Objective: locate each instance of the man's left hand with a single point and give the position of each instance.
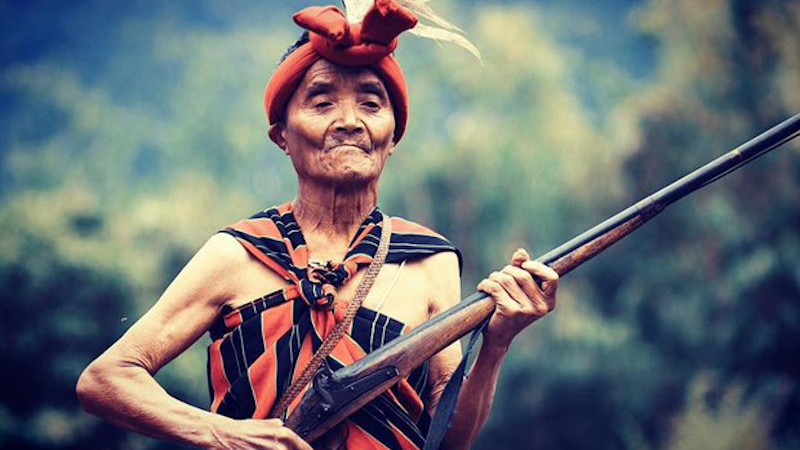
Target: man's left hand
(519, 300)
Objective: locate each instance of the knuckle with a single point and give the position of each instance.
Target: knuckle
(520, 275)
(525, 309)
(495, 275)
(283, 434)
(506, 280)
(488, 285)
(525, 277)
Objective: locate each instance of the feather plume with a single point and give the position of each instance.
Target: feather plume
(439, 29)
(355, 10)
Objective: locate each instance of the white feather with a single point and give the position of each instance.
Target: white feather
(439, 29)
(439, 34)
(355, 10)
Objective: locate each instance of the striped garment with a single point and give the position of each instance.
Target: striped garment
(258, 349)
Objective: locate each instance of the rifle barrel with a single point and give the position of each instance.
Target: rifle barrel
(714, 170)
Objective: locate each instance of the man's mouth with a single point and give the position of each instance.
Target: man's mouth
(355, 146)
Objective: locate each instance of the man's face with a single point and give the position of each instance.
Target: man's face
(339, 125)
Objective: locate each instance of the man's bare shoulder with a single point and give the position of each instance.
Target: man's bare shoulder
(440, 273)
(239, 275)
(210, 267)
(440, 263)
(224, 249)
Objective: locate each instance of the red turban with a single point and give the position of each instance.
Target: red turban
(369, 43)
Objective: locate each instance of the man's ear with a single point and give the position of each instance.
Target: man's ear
(277, 132)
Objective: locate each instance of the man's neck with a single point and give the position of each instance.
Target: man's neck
(332, 214)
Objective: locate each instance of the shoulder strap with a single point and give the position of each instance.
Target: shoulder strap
(340, 328)
(447, 402)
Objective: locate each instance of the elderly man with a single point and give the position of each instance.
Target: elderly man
(271, 289)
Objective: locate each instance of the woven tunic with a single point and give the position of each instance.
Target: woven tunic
(258, 349)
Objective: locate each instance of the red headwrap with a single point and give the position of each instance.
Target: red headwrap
(369, 43)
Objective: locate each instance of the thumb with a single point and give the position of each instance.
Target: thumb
(519, 257)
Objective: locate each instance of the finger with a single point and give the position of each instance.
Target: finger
(519, 257)
(500, 296)
(540, 270)
(491, 287)
(540, 302)
(274, 422)
(510, 285)
(548, 276)
(530, 301)
(290, 439)
(301, 444)
(549, 281)
(524, 280)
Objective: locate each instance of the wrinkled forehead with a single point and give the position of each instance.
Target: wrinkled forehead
(325, 74)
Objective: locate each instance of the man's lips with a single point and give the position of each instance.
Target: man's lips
(363, 148)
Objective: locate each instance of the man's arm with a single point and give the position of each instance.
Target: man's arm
(119, 385)
(519, 302)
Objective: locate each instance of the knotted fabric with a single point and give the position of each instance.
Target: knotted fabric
(369, 43)
(273, 236)
(259, 349)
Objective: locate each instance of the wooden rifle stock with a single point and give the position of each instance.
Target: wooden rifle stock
(336, 395)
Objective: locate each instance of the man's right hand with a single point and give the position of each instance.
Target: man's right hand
(254, 433)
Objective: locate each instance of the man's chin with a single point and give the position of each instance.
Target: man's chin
(352, 178)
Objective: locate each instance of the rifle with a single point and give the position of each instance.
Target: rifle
(336, 395)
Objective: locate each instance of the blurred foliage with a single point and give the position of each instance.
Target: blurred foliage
(130, 132)
(731, 423)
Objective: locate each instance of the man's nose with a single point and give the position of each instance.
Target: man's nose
(348, 121)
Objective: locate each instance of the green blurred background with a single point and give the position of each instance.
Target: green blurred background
(131, 131)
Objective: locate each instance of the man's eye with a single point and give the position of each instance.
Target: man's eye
(372, 105)
(322, 104)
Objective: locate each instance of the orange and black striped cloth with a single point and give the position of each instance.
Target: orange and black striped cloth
(260, 348)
